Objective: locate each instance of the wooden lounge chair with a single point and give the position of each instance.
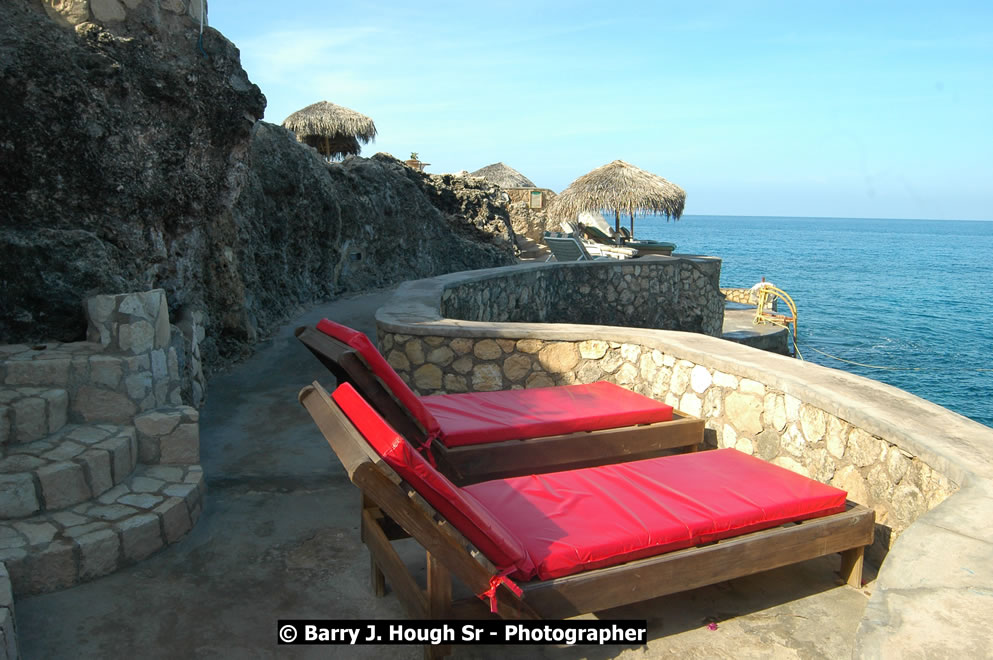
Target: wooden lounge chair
(598, 248)
(645, 246)
(510, 433)
(535, 547)
(568, 248)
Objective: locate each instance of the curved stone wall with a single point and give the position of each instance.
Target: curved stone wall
(926, 471)
(672, 293)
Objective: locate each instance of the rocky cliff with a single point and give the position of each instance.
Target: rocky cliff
(131, 157)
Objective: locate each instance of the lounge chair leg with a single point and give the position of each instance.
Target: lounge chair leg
(439, 601)
(378, 579)
(851, 566)
(376, 576)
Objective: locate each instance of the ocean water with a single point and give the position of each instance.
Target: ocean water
(903, 294)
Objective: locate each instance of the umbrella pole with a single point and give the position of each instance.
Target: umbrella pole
(617, 221)
(631, 211)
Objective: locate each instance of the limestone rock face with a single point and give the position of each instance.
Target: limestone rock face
(115, 162)
(130, 160)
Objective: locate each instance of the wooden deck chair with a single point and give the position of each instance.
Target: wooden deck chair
(502, 541)
(568, 248)
(506, 435)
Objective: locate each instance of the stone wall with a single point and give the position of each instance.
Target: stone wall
(743, 296)
(741, 412)
(667, 293)
(928, 472)
(518, 195)
(8, 628)
(747, 297)
(505, 338)
(129, 366)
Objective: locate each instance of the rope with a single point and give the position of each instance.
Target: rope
(873, 366)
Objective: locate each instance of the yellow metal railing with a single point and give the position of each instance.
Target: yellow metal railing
(767, 295)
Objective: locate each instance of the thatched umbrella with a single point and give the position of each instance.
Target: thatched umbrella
(331, 129)
(503, 176)
(617, 187)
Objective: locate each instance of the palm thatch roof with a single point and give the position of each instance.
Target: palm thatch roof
(333, 130)
(504, 176)
(619, 187)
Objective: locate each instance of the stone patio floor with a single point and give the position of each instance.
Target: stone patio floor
(279, 538)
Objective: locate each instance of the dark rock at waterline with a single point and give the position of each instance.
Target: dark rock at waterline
(130, 160)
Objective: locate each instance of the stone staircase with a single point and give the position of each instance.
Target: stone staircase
(99, 459)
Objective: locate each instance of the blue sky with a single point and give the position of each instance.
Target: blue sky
(852, 109)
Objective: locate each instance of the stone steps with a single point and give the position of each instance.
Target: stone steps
(73, 465)
(101, 385)
(152, 508)
(30, 413)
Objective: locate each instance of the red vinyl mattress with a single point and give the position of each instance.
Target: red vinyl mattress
(480, 417)
(590, 518)
(561, 523)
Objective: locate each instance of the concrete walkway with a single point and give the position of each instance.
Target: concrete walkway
(279, 538)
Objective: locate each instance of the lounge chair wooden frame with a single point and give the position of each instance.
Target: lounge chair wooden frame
(391, 510)
(481, 462)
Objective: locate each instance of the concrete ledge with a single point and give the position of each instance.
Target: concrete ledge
(933, 597)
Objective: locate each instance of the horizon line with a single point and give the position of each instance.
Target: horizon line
(827, 217)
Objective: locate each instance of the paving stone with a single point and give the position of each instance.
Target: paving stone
(140, 500)
(10, 537)
(30, 421)
(140, 536)
(137, 337)
(138, 385)
(145, 484)
(164, 472)
(157, 422)
(7, 631)
(120, 452)
(64, 451)
(20, 463)
(88, 434)
(46, 373)
(182, 446)
(50, 568)
(99, 552)
(98, 468)
(111, 512)
(36, 533)
(67, 519)
(111, 495)
(5, 425)
(17, 496)
(175, 518)
(58, 408)
(94, 404)
(160, 368)
(62, 485)
(105, 370)
(82, 530)
(180, 490)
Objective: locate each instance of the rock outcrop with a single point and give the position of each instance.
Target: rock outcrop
(132, 158)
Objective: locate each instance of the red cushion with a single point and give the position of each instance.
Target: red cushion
(459, 507)
(584, 519)
(382, 369)
(479, 417)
